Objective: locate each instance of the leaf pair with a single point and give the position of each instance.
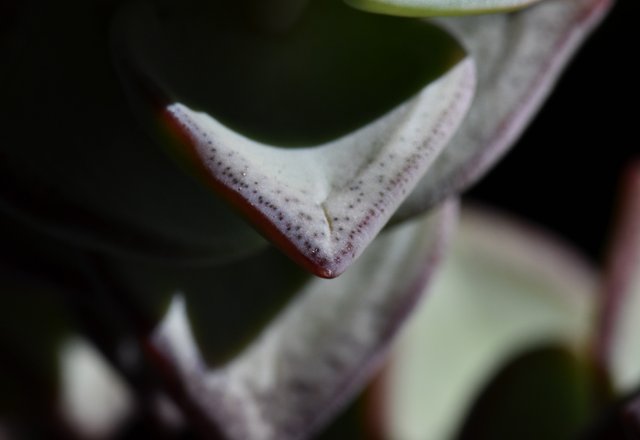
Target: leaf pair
(373, 101)
(516, 292)
(322, 204)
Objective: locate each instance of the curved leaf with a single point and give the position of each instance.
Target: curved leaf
(519, 58)
(504, 288)
(319, 351)
(435, 8)
(337, 74)
(619, 343)
(335, 71)
(73, 160)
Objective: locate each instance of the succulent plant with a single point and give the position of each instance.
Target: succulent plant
(216, 217)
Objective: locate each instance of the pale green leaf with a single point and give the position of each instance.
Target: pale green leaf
(370, 101)
(504, 288)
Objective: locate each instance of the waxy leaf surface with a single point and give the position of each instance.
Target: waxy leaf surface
(504, 288)
(519, 57)
(367, 121)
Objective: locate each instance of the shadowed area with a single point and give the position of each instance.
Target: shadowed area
(335, 70)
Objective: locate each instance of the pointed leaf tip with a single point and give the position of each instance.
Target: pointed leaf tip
(324, 220)
(321, 204)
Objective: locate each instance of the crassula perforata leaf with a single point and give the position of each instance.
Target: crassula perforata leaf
(318, 351)
(519, 58)
(504, 288)
(426, 8)
(369, 113)
(74, 161)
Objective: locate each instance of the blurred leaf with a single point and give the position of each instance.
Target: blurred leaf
(34, 320)
(227, 304)
(93, 397)
(619, 330)
(545, 393)
(32, 327)
(338, 72)
(54, 383)
(519, 57)
(427, 8)
(318, 352)
(505, 287)
(73, 160)
(39, 280)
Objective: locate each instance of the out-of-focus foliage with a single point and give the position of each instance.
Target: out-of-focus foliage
(174, 174)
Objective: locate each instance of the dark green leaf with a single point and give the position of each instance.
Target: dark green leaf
(545, 393)
(74, 162)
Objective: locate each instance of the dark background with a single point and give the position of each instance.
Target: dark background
(564, 172)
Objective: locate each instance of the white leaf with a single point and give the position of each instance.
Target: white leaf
(320, 350)
(324, 205)
(324, 201)
(519, 58)
(94, 398)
